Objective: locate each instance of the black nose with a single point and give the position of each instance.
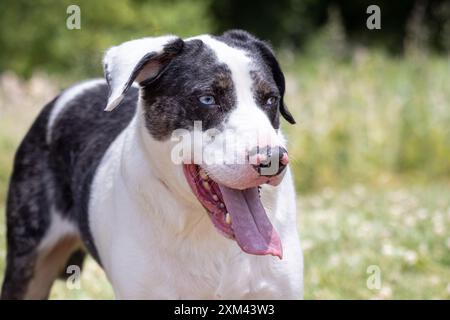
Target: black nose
(270, 161)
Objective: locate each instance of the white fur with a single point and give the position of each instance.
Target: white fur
(121, 60)
(156, 241)
(59, 228)
(238, 63)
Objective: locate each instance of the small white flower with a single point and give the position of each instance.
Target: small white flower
(439, 229)
(422, 214)
(435, 280)
(334, 260)
(410, 257)
(388, 250)
(410, 221)
(385, 292)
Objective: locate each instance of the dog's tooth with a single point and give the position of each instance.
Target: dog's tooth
(206, 185)
(203, 175)
(215, 197)
(221, 205)
(227, 218)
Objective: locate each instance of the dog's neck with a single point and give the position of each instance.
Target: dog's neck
(149, 174)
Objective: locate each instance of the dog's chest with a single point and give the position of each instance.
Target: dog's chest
(191, 267)
(209, 274)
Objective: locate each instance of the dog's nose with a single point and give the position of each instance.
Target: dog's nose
(269, 161)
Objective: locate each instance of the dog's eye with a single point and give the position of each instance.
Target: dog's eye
(207, 100)
(271, 101)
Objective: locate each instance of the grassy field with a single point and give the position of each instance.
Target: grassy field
(402, 231)
(371, 159)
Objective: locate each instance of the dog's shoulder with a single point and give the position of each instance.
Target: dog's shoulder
(79, 131)
(80, 108)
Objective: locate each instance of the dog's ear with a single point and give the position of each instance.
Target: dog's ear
(140, 60)
(278, 76)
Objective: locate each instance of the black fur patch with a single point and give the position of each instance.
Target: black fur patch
(80, 138)
(172, 101)
(28, 207)
(267, 63)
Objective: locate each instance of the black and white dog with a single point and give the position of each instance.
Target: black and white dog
(107, 183)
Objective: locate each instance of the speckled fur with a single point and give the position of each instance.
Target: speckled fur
(55, 177)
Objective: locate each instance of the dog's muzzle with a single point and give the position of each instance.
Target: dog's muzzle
(269, 161)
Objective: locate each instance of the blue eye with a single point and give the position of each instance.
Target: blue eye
(207, 100)
(271, 101)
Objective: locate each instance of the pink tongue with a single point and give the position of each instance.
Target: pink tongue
(252, 229)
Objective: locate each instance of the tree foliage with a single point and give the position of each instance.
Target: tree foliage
(34, 35)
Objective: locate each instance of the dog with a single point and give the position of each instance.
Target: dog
(106, 183)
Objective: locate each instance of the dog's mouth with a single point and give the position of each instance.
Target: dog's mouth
(237, 214)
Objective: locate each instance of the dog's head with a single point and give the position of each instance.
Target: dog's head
(228, 92)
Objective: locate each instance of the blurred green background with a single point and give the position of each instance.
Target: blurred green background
(371, 148)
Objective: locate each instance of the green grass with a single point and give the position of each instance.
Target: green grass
(370, 119)
(403, 231)
(371, 158)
